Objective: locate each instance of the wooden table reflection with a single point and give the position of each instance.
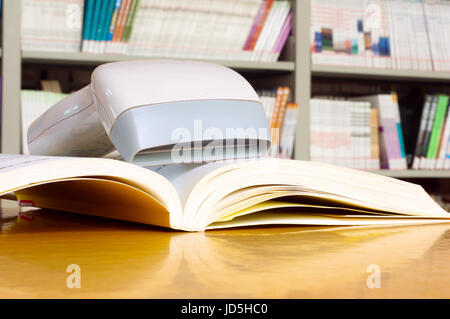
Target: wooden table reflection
(124, 260)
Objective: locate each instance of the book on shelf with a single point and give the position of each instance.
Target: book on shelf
(51, 25)
(342, 133)
(433, 137)
(252, 30)
(282, 120)
(196, 197)
(390, 34)
(363, 132)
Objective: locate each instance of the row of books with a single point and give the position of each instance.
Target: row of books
(363, 132)
(433, 141)
(392, 34)
(282, 120)
(216, 29)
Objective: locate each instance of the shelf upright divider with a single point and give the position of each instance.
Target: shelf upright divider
(302, 77)
(11, 78)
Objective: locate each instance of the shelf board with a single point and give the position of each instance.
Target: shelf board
(414, 173)
(380, 74)
(78, 58)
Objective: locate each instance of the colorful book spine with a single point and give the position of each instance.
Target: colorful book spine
(106, 26)
(113, 20)
(257, 20)
(437, 128)
(374, 140)
(443, 142)
(87, 21)
(424, 162)
(289, 131)
(281, 41)
(100, 26)
(398, 126)
(94, 25)
(260, 25)
(418, 153)
(123, 15)
(274, 132)
(129, 24)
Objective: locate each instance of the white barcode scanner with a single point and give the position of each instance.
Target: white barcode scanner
(156, 112)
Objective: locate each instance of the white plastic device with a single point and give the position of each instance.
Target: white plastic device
(146, 109)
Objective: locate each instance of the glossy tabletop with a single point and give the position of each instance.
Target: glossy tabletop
(124, 260)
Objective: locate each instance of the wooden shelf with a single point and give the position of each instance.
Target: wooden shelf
(79, 58)
(414, 173)
(380, 74)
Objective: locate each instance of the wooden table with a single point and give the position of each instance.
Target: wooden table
(118, 259)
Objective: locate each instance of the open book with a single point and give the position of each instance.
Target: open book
(196, 197)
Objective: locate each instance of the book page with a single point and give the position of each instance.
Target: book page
(204, 190)
(12, 162)
(19, 172)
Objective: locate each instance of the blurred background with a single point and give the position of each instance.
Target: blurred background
(359, 84)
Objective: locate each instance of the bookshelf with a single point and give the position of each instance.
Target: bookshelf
(378, 74)
(294, 70)
(96, 59)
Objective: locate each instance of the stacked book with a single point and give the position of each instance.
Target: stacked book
(51, 25)
(252, 30)
(433, 141)
(392, 34)
(282, 120)
(363, 132)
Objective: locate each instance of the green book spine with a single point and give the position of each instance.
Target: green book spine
(437, 126)
(130, 20)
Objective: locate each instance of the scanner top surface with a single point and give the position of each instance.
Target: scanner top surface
(124, 85)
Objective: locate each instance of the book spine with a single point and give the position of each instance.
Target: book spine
(398, 125)
(281, 115)
(114, 19)
(106, 26)
(259, 16)
(443, 142)
(101, 25)
(94, 25)
(260, 25)
(437, 128)
(122, 24)
(421, 134)
(129, 23)
(119, 23)
(427, 135)
(288, 131)
(87, 21)
(374, 140)
(274, 120)
(281, 41)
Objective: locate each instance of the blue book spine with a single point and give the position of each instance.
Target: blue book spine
(102, 18)
(87, 18)
(113, 20)
(318, 42)
(95, 19)
(109, 13)
(400, 140)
